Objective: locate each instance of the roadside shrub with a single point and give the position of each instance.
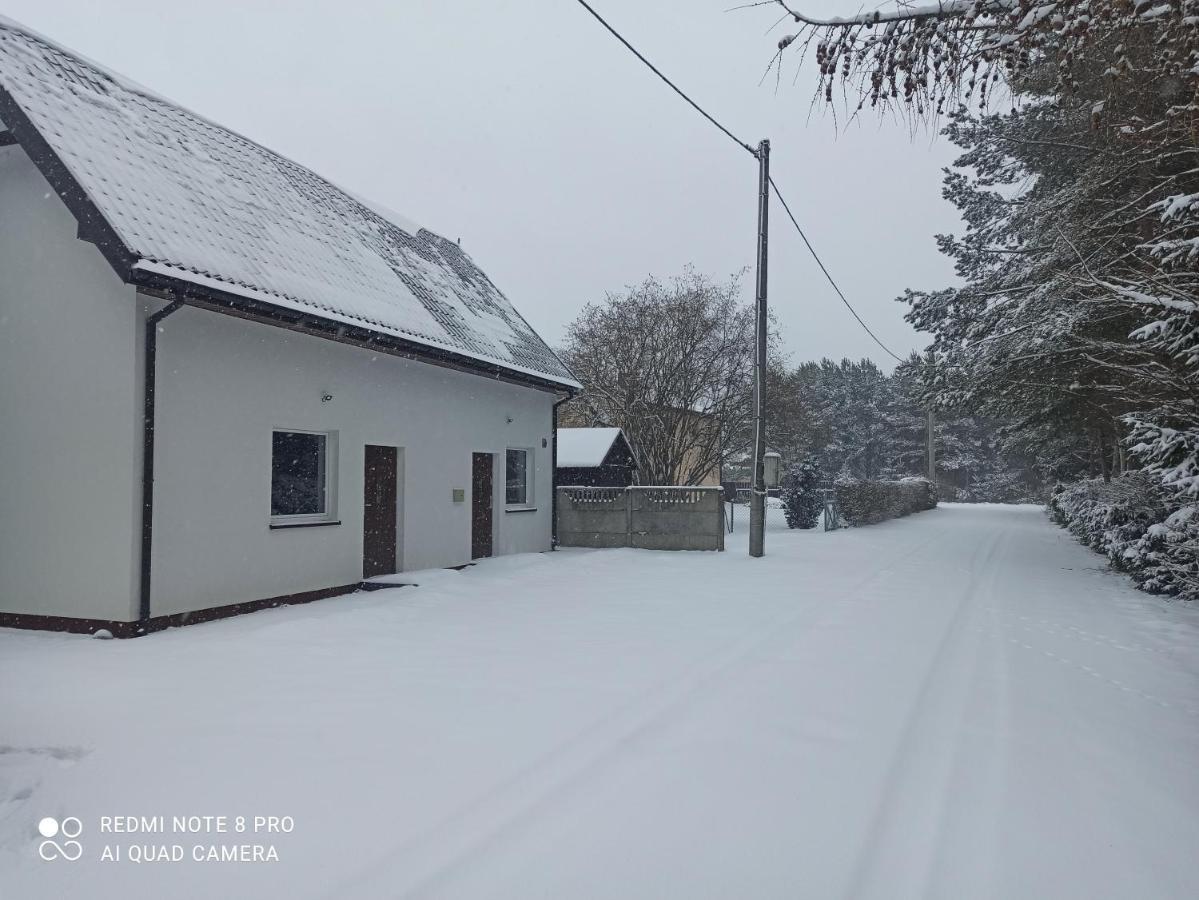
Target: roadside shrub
(867, 502)
(1139, 526)
(802, 502)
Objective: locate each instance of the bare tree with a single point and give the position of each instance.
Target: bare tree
(670, 364)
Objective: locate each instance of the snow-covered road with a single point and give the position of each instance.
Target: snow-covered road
(963, 703)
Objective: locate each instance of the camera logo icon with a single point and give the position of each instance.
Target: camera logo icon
(68, 829)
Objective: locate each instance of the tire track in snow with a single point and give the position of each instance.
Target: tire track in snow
(519, 800)
(981, 780)
(901, 852)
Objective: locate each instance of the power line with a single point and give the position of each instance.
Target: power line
(820, 263)
(616, 34)
(740, 143)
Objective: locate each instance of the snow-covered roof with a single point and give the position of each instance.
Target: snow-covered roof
(196, 202)
(580, 448)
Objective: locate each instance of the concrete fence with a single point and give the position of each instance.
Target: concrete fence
(650, 518)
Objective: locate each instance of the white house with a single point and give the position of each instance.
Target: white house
(226, 383)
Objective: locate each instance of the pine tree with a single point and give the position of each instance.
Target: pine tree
(1078, 318)
(862, 424)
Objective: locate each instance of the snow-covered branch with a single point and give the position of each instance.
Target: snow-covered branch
(904, 13)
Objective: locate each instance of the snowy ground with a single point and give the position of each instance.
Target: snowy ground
(959, 704)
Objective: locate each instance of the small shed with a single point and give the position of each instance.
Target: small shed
(594, 457)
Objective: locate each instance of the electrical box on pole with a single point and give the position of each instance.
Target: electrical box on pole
(757, 497)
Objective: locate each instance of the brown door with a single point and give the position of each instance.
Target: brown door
(379, 512)
(480, 505)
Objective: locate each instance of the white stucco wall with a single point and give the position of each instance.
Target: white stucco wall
(225, 383)
(71, 347)
(70, 414)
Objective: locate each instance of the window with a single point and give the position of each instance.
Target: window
(516, 481)
(300, 462)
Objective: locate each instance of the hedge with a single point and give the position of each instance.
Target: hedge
(1139, 526)
(867, 502)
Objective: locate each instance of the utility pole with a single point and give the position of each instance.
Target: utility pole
(932, 448)
(932, 430)
(757, 497)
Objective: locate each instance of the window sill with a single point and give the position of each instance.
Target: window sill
(520, 509)
(276, 526)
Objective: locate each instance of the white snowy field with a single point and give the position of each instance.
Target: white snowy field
(959, 704)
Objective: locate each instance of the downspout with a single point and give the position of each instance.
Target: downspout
(151, 352)
(554, 476)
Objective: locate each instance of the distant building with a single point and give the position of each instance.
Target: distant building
(581, 413)
(708, 426)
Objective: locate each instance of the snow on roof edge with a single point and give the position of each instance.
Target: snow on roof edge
(383, 212)
(207, 281)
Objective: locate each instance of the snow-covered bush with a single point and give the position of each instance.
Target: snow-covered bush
(802, 501)
(867, 502)
(1170, 453)
(1139, 526)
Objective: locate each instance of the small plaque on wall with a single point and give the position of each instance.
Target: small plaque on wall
(459, 495)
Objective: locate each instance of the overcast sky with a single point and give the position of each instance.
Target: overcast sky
(565, 167)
